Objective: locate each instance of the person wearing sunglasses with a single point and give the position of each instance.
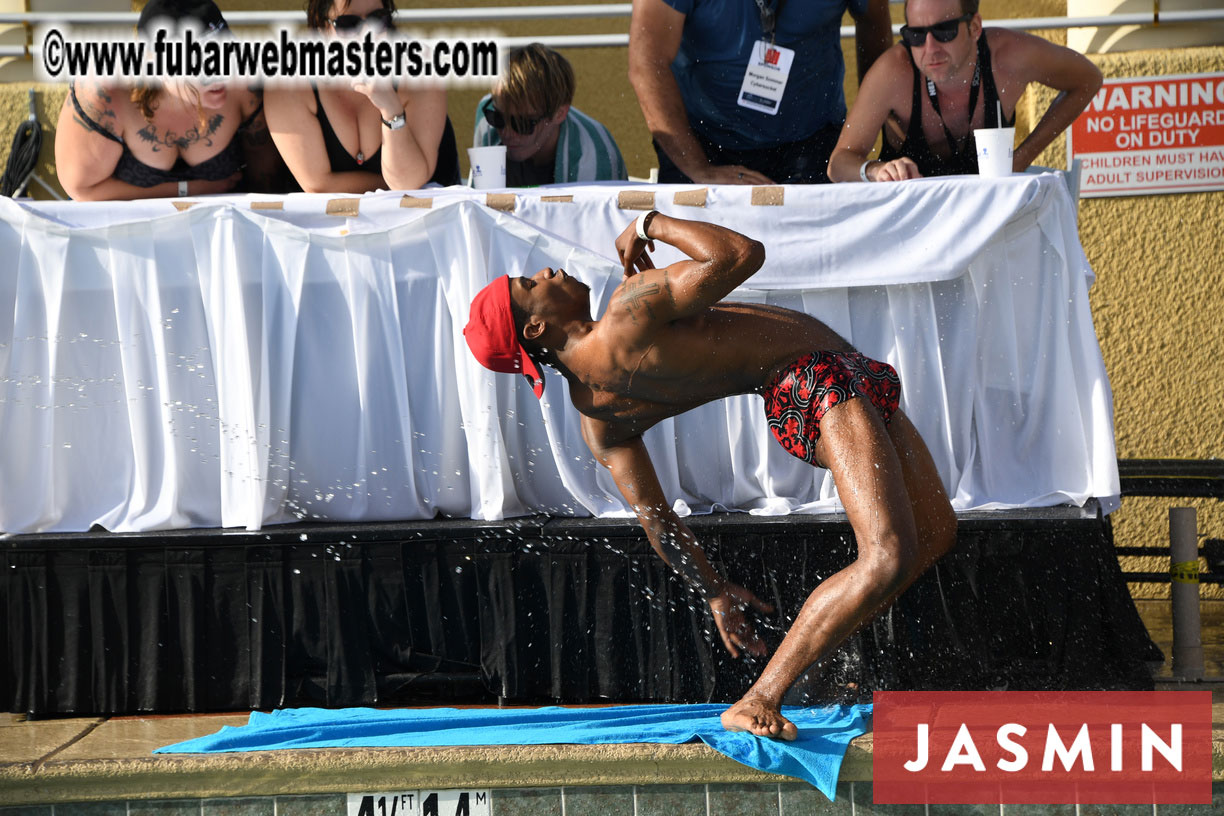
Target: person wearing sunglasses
(747, 91)
(947, 77)
(153, 139)
(365, 136)
(547, 139)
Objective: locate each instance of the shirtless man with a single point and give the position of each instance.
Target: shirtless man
(667, 343)
(946, 77)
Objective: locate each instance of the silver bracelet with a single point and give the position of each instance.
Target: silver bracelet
(642, 223)
(183, 189)
(863, 170)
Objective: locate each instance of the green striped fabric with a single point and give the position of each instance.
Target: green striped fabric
(586, 150)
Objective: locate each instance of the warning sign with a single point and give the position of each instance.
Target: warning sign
(1152, 135)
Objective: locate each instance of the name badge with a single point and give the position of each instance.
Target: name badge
(765, 79)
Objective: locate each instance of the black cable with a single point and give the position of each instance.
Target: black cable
(23, 155)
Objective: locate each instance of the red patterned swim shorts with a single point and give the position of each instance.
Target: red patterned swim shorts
(801, 393)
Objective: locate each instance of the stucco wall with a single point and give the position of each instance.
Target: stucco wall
(1158, 305)
(1159, 298)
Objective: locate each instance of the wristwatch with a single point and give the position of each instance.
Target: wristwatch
(396, 122)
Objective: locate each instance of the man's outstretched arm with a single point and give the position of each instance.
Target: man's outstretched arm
(719, 259)
(634, 474)
(1032, 59)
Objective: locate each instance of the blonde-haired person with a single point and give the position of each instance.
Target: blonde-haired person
(547, 139)
(159, 140)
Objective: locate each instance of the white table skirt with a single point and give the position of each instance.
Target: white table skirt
(235, 365)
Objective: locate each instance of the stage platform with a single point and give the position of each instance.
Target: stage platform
(534, 610)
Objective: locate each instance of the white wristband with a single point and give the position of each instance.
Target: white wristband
(863, 170)
(641, 223)
(183, 188)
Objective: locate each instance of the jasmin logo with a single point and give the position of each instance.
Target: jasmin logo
(1042, 747)
(964, 751)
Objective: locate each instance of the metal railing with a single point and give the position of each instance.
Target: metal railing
(486, 16)
(1174, 478)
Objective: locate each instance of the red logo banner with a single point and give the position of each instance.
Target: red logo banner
(1020, 747)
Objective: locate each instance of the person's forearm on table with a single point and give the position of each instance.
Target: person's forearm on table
(845, 163)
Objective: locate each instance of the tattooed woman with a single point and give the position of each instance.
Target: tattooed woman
(160, 140)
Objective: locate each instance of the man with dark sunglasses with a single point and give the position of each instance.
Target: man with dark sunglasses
(379, 19)
(947, 77)
(547, 139)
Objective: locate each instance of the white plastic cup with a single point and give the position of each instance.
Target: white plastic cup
(488, 166)
(994, 151)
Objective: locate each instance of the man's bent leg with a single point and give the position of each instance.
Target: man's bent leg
(874, 484)
(933, 514)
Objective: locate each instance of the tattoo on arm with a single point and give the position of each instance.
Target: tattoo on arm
(633, 294)
(100, 111)
(636, 293)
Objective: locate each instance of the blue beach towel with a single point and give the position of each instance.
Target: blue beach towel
(815, 756)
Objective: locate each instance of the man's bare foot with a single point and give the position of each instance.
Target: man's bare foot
(754, 715)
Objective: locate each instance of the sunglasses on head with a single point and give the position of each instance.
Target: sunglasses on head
(381, 18)
(522, 125)
(944, 32)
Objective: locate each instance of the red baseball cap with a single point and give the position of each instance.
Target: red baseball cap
(491, 335)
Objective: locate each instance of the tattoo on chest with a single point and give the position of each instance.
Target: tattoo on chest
(171, 139)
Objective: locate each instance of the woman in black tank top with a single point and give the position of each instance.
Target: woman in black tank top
(358, 138)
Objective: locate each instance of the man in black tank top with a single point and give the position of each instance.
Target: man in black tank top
(947, 77)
